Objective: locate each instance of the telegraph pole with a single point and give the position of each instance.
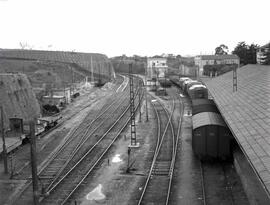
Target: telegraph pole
(34, 162)
(4, 141)
(235, 79)
(140, 95)
(145, 85)
(92, 71)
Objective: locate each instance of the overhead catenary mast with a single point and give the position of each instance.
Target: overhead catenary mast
(92, 71)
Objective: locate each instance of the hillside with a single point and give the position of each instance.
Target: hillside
(69, 66)
(17, 98)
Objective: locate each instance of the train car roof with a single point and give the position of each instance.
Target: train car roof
(207, 118)
(196, 102)
(197, 86)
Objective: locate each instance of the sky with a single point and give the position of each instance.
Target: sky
(141, 27)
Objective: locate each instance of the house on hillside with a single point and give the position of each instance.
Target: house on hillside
(58, 97)
(261, 53)
(203, 60)
(156, 67)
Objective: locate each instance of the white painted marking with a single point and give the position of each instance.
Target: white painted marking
(96, 194)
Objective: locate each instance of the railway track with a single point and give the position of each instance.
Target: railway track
(79, 135)
(178, 142)
(23, 166)
(72, 180)
(216, 187)
(157, 186)
(76, 147)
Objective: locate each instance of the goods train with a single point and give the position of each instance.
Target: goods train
(211, 138)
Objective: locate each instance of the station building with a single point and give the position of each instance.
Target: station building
(203, 60)
(156, 67)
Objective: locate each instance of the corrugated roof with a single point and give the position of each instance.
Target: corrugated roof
(207, 118)
(247, 113)
(218, 57)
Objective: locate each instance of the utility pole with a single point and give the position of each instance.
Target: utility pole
(140, 95)
(34, 162)
(72, 79)
(128, 168)
(235, 79)
(4, 141)
(145, 86)
(92, 71)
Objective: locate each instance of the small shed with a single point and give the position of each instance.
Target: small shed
(16, 124)
(211, 137)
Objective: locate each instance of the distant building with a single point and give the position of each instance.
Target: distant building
(203, 60)
(261, 53)
(156, 67)
(187, 70)
(57, 97)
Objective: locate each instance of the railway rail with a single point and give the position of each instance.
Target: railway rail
(23, 166)
(163, 161)
(177, 141)
(216, 187)
(79, 132)
(76, 175)
(56, 170)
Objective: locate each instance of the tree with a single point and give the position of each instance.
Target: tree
(246, 53)
(251, 54)
(266, 58)
(241, 51)
(221, 50)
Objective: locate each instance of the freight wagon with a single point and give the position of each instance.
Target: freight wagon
(211, 138)
(197, 91)
(203, 105)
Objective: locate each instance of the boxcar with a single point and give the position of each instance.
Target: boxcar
(211, 137)
(198, 91)
(186, 83)
(203, 105)
(183, 82)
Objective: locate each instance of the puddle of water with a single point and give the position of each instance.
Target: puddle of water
(96, 194)
(116, 159)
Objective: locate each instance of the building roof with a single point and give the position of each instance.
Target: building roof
(157, 58)
(247, 113)
(207, 118)
(218, 57)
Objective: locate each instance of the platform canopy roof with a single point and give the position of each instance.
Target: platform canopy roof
(247, 113)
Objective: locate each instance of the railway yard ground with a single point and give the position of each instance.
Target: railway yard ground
(193, 182)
